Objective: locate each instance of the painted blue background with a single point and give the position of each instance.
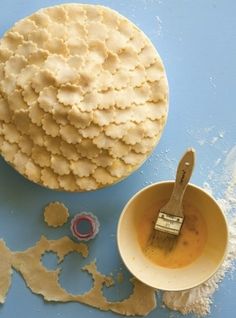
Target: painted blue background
(197, 42)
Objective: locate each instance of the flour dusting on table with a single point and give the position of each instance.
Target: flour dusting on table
(199, 299)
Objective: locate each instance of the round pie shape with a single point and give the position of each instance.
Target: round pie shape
(83, 97)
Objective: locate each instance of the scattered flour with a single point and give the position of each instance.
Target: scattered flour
(207, 187)
(207, 136)
(212, 81)
(199, 299)
(159, 26)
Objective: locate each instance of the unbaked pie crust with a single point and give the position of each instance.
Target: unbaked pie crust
(83, 97)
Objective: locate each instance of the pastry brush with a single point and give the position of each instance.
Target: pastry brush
(170, 217)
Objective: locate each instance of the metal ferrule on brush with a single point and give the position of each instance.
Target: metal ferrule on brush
(169, 223)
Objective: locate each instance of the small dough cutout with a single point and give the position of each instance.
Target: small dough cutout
(83, 167)
(103, 160)
(56, 214)
(5, 113)
(90, 132)
(102, 176)
(68, 182)
(15, 64)
(16, 101)
(29, 95)
(146, 145)
(70, 95)
(41, 156)
(9, 150)
(20, 161)
(40, 19)
(39, 37)
(50, 126)
(88, 149)
(49, 178)
(5, 54)
(24, 27)
(70, 134)
(8, 84)
(60, 113)
(68, 151)
(11, 133)
(37, 135)
(78, 118)
(38, 58)
(22, 121)
(36, 114)
(118, 169)
(33, 170)
(57, 28)
(11, 40)
(25, 77)
(53, 145)
(43, 79)
(60, 165)
(119, 149)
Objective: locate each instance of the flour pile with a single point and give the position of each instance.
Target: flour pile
(199, 299)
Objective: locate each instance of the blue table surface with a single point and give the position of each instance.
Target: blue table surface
(197, 42)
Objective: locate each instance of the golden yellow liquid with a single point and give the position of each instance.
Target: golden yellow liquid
(190, 242)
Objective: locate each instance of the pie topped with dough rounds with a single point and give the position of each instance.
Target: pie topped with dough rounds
(83, 97)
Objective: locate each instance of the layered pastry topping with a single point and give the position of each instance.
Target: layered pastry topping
(83, 97)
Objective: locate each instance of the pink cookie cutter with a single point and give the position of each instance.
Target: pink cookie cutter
(92, 225)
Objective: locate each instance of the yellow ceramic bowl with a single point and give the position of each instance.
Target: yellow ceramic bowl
(166, 278)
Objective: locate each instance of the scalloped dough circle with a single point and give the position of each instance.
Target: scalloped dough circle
(83, 97)
(56, 214)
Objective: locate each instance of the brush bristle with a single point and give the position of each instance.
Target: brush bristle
(163, 240)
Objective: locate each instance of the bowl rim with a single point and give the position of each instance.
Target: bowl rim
(198, 188)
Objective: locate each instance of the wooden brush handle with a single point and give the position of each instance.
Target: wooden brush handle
(183, 175)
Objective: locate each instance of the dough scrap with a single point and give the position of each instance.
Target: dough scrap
(56, 214)
(5, 270)
(46, 283)
(79, 81)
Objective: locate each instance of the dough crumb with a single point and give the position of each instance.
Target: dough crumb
(120, 278)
